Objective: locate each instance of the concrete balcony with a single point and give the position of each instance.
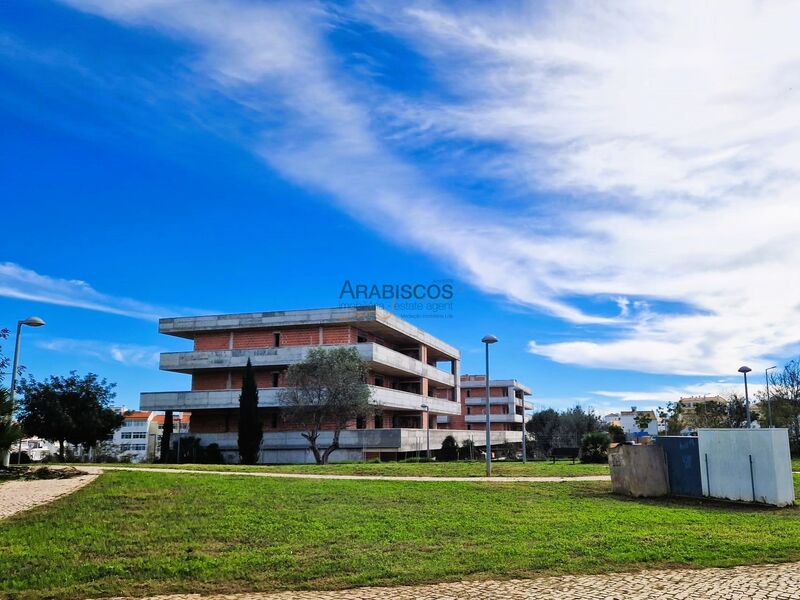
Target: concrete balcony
(268, 398)
(510, 418)
(380, 358)
(481, 401)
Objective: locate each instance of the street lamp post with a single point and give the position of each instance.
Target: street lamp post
(524, 450)
(769, 400)
(30, 322)
(744, 371)
(488, 339)
(427, 409)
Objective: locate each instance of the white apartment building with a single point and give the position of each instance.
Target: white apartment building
(136, 440)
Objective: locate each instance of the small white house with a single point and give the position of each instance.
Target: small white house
(629, 425)
(37, 449)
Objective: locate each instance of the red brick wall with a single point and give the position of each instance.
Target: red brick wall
(494, 392)
(210, 380)
(338, 334)
(211, 341)
(263, 378)
(293, 336)
(214, 421)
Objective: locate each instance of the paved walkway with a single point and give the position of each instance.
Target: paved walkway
(354, 477)
(16, 496)
(737, 583)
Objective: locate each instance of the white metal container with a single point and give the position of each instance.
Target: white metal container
(751, 465)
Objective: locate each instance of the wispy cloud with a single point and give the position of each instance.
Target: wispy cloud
(125, 354)
(658, 144)
(25, 284)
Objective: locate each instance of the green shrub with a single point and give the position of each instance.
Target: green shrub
(213, 455)
(468, 451)
(449, 449)
(617, 434)
(594, 447)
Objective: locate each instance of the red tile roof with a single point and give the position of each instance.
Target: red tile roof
(138, 414)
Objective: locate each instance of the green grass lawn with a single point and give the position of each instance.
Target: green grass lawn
(137, 533)
(796, 465)
(398, 469)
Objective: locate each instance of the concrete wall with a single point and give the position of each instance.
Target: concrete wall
(638, 471)
(753, 465)
(291, 447)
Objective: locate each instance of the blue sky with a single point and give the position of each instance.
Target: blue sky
(612, 191)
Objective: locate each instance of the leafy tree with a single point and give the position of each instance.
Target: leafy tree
(467, 450)
(616, 433)
(784, 388)
(642, 420)
(708, 414)
(574, 423)
(69, 409)
(543, 427)
(594, 447)
(737, 412)
(250, 430)
(449, 449)
(10, 432)
(328, 389)
(166, 435)
(672, 416)
(551, 429)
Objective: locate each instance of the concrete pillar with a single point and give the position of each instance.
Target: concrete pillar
(423, 386)
(455, 367)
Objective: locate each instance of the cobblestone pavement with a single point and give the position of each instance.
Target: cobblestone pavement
(364, 477)
(763, 581)
(16, 496)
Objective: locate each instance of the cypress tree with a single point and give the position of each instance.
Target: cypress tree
(250, 432)
(166, 436)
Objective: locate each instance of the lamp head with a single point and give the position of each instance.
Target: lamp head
(33, 322)
(744, 369)
(489, 339)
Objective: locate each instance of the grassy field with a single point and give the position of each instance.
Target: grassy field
(136, 533)
(796, 465)
(397, 469)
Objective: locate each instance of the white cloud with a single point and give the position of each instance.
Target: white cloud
(126, 354)
(24, 284)
(665, 136)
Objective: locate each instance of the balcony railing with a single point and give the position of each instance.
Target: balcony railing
(269, 397)
(509, 418)
(375, 354)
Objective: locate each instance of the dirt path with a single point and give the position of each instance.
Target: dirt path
(16, 496)
(358, 477)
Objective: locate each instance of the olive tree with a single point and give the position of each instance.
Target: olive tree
(326, 390)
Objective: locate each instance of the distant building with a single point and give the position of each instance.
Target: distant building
(690, 403)
(507, 405)
(612, 419)
(139, 437)
(135, 440)
(629, 425)
(36, 448)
